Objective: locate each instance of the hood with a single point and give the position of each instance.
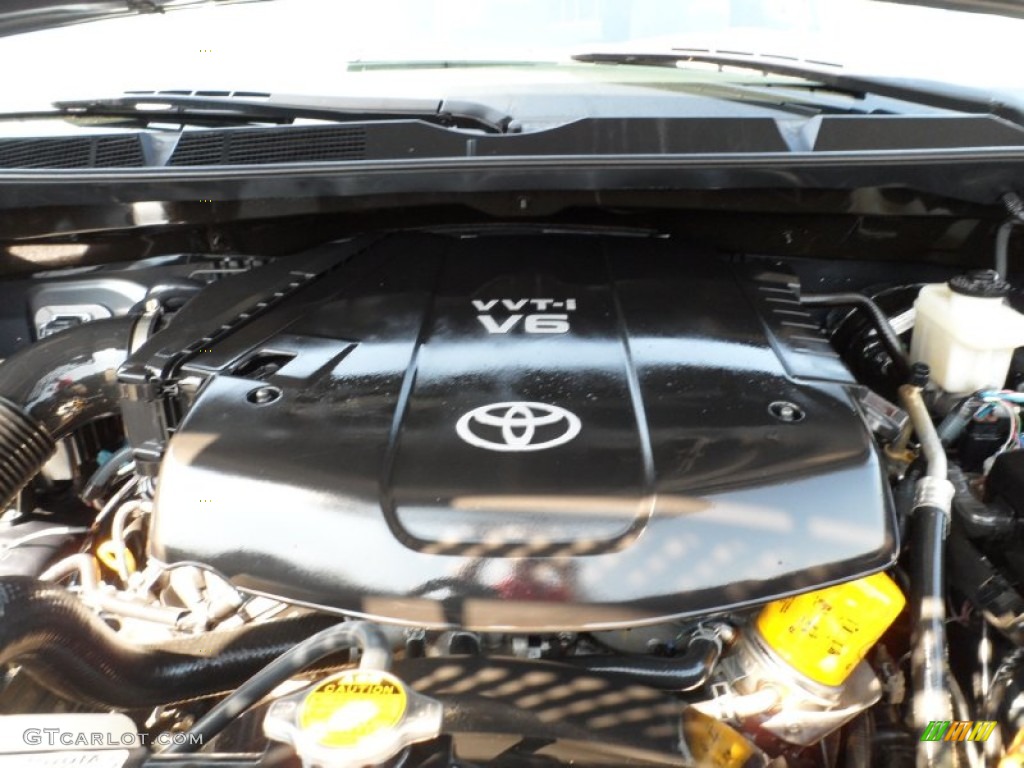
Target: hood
(18, 16)
(1013, 8)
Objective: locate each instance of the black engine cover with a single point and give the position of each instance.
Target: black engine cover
(524, 432)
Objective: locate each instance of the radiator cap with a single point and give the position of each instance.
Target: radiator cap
(356, 717)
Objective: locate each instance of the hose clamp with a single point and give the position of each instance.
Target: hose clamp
(934, 492)
(720, 633)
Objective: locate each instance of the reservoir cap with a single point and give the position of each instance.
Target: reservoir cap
(980, 284)
(355, 717)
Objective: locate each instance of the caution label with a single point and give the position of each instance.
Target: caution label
(713, 744)
(350, 706)
(826, 633)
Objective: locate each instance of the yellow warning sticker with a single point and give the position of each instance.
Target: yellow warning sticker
(347, 707)
(713, 744)
(826, 633)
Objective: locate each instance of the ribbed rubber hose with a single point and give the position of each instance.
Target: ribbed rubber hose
(67, 649)
(25, 446)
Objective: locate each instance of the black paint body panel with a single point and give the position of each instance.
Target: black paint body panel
(681, 494)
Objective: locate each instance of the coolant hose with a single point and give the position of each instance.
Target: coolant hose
(669, 673)
(980, 520)
(376, 655)
(1002, 264)
(53, 387)
(890, 340)
(61, 644)
(929, 523)
(1015, 207)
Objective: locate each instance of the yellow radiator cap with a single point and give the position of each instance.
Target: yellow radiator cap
(345, 709)
(355, 717)
(826, 633)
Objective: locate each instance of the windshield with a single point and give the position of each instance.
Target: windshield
(309, 46)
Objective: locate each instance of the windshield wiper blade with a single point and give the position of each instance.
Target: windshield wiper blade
(192, 109)
(786, 66)
(925, 92)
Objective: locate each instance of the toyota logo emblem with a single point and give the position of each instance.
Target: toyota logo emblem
(517, 426)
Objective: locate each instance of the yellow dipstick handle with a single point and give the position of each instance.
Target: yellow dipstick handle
(108, 553)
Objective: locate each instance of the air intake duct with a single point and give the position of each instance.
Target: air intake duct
(52, 388)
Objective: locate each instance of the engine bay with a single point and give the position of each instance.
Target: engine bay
(509, 496)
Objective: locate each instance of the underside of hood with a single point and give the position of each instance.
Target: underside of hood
(1013, 8)
(18, 16)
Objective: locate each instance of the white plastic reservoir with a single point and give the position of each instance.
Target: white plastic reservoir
(966, 332)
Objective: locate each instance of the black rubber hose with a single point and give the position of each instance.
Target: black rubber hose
(980, 520)
(890, 340)
(904, 495)
(927, 578)
(376, 655)
(927, 548)
(992, 593)
(25, 446)
(67, 649)
(70, 378)
(672, 673)
(1002, 264)
(928, 551)
(53, 387)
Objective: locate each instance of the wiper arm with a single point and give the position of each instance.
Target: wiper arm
(925, 92)
(775, 65)
(187, 108)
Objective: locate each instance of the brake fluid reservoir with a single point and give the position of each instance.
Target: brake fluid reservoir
(965, 331)
(826, 633)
